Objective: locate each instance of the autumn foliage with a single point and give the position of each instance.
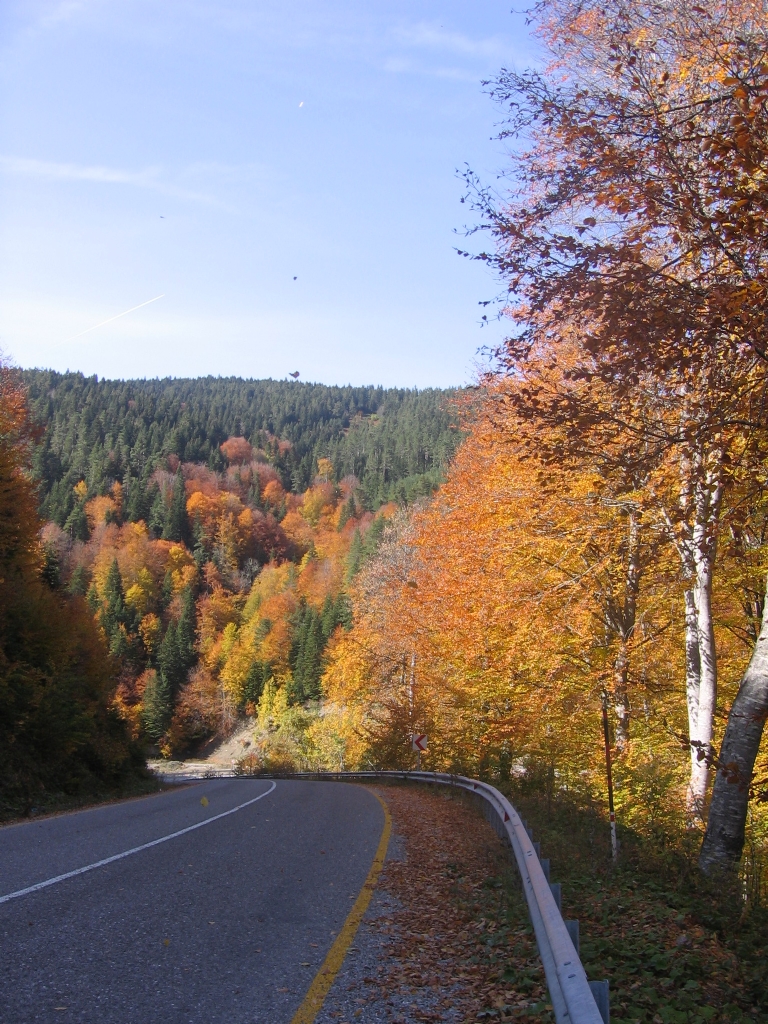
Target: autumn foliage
(600, 538)
(58, 730)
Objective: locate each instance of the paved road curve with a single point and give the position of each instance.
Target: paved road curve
(225, 923)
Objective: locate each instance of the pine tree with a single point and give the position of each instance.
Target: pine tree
(114, 611)
(355, 556)
(51, 570)
(158, 515)
(306, 655)
(170, 660)
(373, 538)
(78, 581)
(166, 595)
(185, 631)
(177, 526)
(77, 523)
(157, 706)
(348, 511)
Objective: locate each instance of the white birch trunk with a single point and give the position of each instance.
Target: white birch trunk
(692, 686)
(702, 494)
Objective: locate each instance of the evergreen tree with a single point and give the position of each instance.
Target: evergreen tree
(170, 661)
(114, 610)
(355, 556)
(177, 526)
(51, 570)
(373, 538)
(166, 595)
(185, 630)
(77, 523)
(139, 498)
(396, 441)
(118, 643)
(257, 676)
(157, 706)
(348, 511)
(306, 655)
(78, 581)
(158, 515)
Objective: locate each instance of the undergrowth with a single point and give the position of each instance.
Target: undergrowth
(676, 947)
(22, 807)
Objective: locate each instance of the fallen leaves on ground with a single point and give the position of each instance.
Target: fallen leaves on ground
(461, 931)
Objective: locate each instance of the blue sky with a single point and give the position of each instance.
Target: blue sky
(212, 152)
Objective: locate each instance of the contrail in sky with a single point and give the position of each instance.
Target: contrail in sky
(127, 311)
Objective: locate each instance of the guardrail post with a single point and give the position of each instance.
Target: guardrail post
(537, 848)
(545, 866)
(557, 892)
(573, 931)
(600, 990)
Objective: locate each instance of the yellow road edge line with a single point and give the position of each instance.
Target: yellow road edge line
(325, 977)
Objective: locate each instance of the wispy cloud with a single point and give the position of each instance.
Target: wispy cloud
(406, 66)
(148, 178)
(64, 10)
(424, 36)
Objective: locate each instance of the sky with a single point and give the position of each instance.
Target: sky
(282, 172)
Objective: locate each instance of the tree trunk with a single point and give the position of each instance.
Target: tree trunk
(724, 838)
(701, 736)
(621, 619)
(692, 688)
(698, 551)
(620, 698)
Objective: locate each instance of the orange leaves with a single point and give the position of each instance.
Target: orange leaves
(506, 600)
(237, 450)
(273, 493)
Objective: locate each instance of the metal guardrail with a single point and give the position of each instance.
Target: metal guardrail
(575, 1000)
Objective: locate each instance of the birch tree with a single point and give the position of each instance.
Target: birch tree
(635, 221)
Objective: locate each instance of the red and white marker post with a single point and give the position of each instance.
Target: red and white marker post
(419, 744)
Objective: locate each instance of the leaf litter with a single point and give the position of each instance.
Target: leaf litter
(447, 937)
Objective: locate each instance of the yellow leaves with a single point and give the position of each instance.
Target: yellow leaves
(149, 631)
(324, 469)
(237, 655)
(81, 490)
(273, 703)
(215, 611)
(140, 595)
(182, 567)
(204, 801)
(317, 499)
(685, 67)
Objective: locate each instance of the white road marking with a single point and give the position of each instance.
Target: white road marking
(129, 853)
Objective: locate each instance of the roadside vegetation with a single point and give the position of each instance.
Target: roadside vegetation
(61, 736)
(676, 947)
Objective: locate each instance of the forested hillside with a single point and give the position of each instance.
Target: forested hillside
(59, 730)
(395, 441)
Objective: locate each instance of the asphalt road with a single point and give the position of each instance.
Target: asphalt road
(226, 923)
